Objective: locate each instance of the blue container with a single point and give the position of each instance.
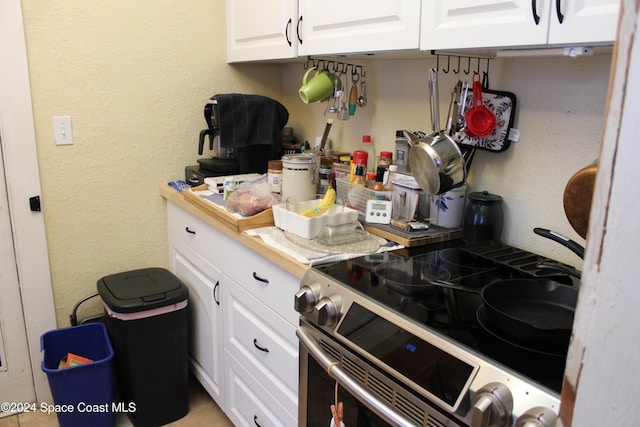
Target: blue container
(86, 391)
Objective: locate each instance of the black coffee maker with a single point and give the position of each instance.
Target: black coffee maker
(224, 163)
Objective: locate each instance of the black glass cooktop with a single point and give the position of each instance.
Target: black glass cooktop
(439, 287)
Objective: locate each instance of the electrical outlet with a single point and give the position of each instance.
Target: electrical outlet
(62, 130)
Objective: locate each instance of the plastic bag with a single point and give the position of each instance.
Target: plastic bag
(252, 197)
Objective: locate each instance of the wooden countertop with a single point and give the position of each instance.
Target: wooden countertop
(254, 243)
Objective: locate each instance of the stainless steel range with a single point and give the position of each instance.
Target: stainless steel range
(405, 336)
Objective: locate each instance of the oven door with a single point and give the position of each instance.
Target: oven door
(366, 392)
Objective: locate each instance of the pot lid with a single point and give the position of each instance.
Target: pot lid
(485, 197)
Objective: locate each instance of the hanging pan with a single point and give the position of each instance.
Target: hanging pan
(577, 198)
(436, 161)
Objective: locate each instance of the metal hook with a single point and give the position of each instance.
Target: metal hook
(468, 65)
(458, 70)
(448, 65)
(478, 67)
(488, 59)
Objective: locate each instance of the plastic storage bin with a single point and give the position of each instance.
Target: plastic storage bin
(84, 391)
(147, 325)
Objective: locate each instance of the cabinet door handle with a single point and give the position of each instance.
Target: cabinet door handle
(255, 421)
(559, 11)
(286, 31)
(188, 230)
(298, 29)
(534, 9)
(260, 279)
(215, 288)
(259, 347)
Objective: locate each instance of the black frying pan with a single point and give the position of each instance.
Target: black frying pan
(535, 311)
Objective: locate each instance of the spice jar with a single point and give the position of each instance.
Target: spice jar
(274, 175)
(386, 158)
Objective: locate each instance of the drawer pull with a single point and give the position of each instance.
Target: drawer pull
(255, 421)
(259, 347)
(188, 230)
(260, 279)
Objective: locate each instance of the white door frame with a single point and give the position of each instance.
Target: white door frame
(20, 161)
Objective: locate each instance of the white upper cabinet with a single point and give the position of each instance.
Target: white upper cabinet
(459, 24)
(356, 26)
(261, 29)
(584, 21)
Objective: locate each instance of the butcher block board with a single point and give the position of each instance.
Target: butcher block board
(415, 238)
(236, 222)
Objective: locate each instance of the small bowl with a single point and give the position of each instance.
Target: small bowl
(303, 203)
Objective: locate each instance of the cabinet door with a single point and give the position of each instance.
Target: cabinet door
(455, 24)
(261, 29)
(205, 317)
(584, 21)
(337, 26)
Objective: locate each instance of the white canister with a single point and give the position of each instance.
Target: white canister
(299, 174)
(447, 209)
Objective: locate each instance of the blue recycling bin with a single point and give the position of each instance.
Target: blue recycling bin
(82, 394)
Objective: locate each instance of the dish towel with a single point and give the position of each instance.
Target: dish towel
(250, 120)
(275, 237)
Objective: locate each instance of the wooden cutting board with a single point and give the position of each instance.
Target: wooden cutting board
(414, 238)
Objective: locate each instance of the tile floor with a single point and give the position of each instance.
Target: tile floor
(203, 411)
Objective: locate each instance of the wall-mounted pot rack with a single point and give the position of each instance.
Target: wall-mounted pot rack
(460, 67)
(337, 67)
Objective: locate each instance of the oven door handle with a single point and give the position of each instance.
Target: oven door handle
(356, 389)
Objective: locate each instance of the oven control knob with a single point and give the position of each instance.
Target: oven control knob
(492, 407)
(327, 311)
(537, 417)
(306, 298)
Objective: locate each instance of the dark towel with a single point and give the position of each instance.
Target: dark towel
(250, 120)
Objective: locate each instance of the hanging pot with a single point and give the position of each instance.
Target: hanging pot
(436, 161)
(577, 198)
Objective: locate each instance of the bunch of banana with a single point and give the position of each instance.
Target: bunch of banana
(327, 201)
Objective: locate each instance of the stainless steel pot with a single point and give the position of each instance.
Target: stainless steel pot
(436, 161)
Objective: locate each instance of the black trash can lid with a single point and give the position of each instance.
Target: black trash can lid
(141, 290)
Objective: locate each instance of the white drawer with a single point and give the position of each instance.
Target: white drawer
(199, 236)
(263, 342)
(248, 403)
(268, 282)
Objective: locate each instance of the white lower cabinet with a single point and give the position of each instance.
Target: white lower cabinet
(243, 346)
(261, 361)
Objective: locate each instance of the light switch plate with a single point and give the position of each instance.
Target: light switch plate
(62, 130)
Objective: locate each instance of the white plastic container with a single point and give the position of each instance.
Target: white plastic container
(310, 227)
(409, 201)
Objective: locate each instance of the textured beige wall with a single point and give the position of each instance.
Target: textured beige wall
(134, 77)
